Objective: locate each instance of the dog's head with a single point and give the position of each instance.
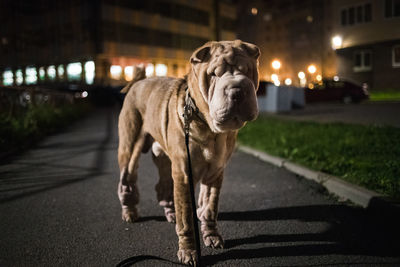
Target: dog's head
(227, 76)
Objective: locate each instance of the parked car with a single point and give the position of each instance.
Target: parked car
(336, 90)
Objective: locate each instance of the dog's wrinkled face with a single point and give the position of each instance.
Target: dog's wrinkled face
(227, 74)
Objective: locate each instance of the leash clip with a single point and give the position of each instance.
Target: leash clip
(187, 112)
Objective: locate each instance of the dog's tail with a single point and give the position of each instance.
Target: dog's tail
(139, 73)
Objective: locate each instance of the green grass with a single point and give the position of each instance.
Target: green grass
(368, 156)
(28, 126)
(384, 95)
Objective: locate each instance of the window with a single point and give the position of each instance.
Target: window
(89, 72)
(42, 74)
(8, 77)
(396, 56)
(51, 72)
(74, 71)
(356, 14)
(60, 70)
(351, 15)
(116, 72)
(128, 72)
(392, 8)
(19, 77)
(161, 70)
(149, 70)
(30, 75)
(362, 61)
(359, 14)
(343, 17)
(367, 13)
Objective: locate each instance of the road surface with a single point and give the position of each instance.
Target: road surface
(366, 113)
(59, 207)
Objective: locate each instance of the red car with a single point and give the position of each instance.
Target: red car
(332, 90)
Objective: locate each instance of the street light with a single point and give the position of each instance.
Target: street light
(312, 69)
(275, 79)
(288, 81)
(302, 78)
(276, 64)
(337, 42)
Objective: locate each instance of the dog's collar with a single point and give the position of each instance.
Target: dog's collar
(190, 109)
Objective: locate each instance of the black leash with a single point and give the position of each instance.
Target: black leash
(188, 112)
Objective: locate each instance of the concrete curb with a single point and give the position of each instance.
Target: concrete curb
(333, 184)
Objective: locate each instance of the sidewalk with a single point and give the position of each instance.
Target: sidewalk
(363, 197)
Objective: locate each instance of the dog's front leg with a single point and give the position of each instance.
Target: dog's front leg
(184, 221)
(208, 212)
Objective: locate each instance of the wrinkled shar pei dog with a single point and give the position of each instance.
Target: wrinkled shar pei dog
(221, 87)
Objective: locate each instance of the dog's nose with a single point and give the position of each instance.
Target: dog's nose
(236, 94)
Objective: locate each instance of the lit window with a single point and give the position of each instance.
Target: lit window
(8, 77)
(116, 72)
(42, 74)
(128, 71)
(362, 61)
(149, 70)
(161, 70)
(74, 71)
(51, 73)
(396, 56)
(60, 70)
(19, 77)
(30, 75)
(89, 72)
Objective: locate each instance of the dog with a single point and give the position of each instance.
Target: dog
(221, 87)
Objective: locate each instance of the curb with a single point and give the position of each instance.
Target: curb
(356, 194)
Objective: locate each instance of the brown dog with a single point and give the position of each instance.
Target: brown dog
(222, 86)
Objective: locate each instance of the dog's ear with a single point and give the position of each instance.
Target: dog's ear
(251, 49)
(201, 54)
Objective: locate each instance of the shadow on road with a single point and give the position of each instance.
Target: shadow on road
(352, 232)
(48, 168)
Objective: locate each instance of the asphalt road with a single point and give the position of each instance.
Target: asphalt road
(59, 207)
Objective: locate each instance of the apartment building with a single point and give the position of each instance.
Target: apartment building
(99, 42)
(368, 41)
(294, 36)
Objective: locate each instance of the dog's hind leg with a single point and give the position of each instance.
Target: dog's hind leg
(165, 186)
(131, 141)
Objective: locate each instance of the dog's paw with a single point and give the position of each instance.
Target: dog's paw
(188, 256)
(214, 241)
(171, 218)
(130, 215)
